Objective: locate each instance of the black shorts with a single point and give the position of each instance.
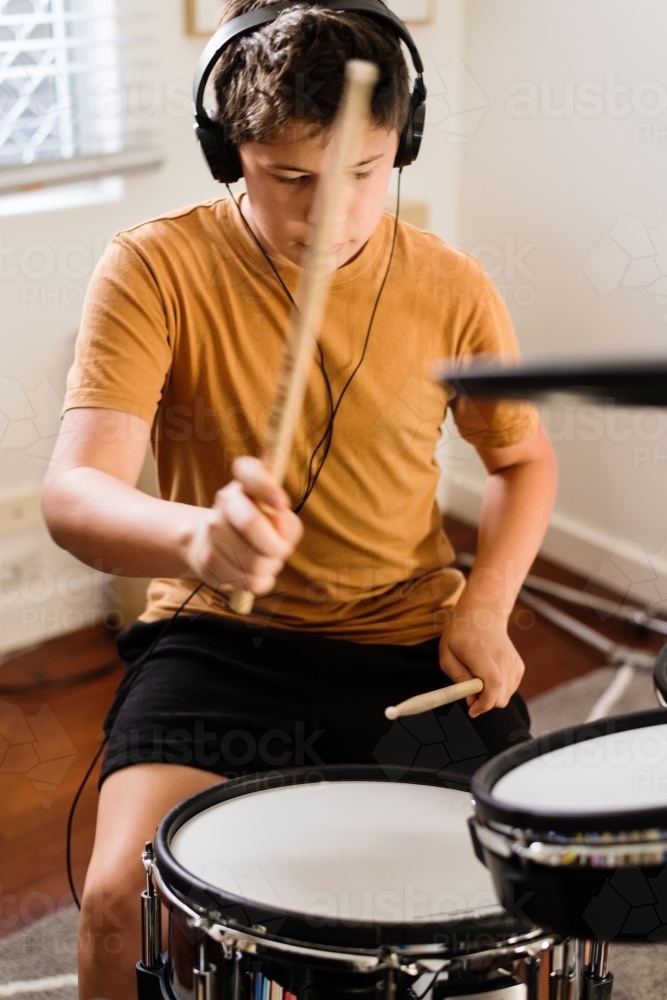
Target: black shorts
(226, 698)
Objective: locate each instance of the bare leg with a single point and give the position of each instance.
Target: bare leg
(132, 803)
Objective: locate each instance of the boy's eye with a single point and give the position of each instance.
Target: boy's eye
(292, 180)
(362, 177)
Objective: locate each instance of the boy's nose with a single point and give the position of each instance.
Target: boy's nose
(341, 215)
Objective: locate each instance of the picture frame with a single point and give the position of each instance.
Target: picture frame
(200, 15)
(414, 12)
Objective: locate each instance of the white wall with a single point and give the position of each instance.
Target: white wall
(563, 194)
(38, 328)
(436, 176)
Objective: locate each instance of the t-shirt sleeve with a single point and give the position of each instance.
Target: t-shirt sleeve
(489, 332)
(123, 350)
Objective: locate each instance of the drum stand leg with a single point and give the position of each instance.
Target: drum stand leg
(566, 975)
(389, 992)
(598, 981)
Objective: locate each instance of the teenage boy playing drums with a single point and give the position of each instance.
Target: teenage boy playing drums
(356, 608)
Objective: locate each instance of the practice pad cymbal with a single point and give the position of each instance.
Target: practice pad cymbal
(616, 383)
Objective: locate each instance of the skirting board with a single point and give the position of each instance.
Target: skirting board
(635, 575)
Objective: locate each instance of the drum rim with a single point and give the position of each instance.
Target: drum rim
(294, 926)
(536, 820)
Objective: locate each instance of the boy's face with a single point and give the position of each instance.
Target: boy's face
(282, 177)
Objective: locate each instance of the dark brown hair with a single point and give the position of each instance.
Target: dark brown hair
(291, 71)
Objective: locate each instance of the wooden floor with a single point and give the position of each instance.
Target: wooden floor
(53, 735)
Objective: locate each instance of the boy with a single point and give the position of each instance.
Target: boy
(181, 343)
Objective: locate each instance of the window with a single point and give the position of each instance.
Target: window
(62, 64)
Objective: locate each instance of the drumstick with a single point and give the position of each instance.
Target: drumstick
(360, 80)
(435, 699)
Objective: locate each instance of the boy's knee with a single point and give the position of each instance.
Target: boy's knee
(110, 913)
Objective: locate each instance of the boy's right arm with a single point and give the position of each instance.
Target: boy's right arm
(93, 509)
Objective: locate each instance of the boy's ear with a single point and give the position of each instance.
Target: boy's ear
(222, 156)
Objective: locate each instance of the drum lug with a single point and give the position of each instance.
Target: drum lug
(151, 916)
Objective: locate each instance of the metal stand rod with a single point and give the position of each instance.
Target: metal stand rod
(203, 976)
(236, 979)
(566, 975)
(634, 614)
(390, 985)
(600, 959)
(151, 916)
(533, 977)
(598, 981)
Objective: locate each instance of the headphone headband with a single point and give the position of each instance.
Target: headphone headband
(222, 157)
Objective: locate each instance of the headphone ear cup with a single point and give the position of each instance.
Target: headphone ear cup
(222, 157)
(405, 143)
(413, 133)
(418, 125)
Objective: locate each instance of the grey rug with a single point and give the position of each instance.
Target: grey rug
(45, 950)
(48, 949)
(571, 703)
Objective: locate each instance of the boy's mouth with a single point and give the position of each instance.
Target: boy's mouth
(335, 249)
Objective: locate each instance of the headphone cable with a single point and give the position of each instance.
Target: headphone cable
(327, 438)
(98, 753)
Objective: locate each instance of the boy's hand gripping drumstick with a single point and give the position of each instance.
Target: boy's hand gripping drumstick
(435, 699)
(360, 80)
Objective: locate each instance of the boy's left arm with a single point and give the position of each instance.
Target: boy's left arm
(518, 500)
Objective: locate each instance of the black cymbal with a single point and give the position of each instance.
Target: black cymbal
(617, 383)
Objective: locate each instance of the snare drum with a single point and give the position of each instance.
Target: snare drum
(344, 882)
(575, 826)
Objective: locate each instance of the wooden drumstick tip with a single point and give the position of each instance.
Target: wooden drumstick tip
(241, 602)
(362, 71)
(391, 713)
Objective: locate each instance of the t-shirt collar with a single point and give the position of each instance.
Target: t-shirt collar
(363, 264)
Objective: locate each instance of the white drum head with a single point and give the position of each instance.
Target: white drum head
(615, 773)
(376, 851)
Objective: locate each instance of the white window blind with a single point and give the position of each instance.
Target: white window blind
(63, 67)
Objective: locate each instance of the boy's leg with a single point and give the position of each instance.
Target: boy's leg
(132, 803)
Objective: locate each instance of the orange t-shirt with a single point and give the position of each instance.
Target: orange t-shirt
(185, 326)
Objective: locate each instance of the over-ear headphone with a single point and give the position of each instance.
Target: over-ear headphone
(222, 156)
